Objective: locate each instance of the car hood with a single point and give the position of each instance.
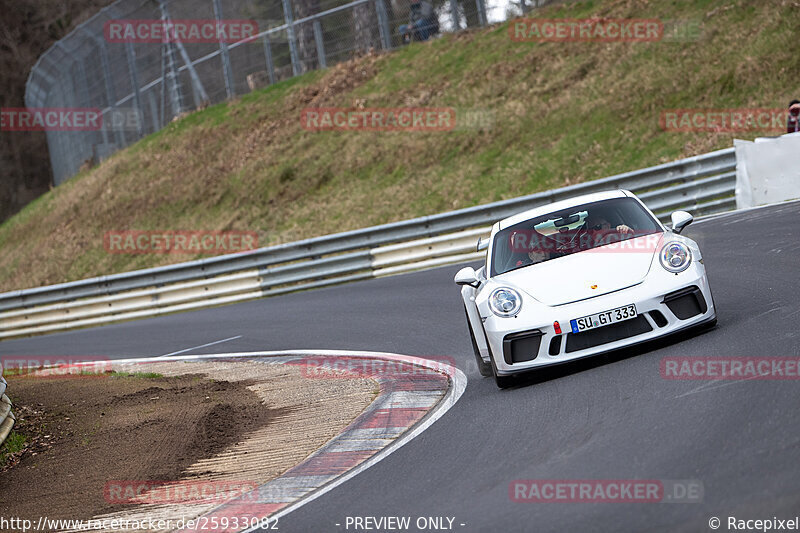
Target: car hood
(586, 274)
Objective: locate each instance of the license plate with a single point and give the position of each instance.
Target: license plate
(605, 318)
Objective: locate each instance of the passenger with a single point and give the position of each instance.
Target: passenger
(530, 247)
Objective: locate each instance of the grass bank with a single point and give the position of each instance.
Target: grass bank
(547, 115)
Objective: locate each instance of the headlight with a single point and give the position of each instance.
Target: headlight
(675, 257)
(505, 302)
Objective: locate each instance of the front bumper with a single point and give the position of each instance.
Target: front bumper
(513, 341)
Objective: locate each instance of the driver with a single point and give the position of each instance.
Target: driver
(604, 232)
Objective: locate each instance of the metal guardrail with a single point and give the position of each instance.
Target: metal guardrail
(703, 184)
(7, 418)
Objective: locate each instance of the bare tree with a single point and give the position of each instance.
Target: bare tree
(365, 27)
(306, 46)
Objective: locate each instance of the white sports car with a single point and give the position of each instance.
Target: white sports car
(580, 277)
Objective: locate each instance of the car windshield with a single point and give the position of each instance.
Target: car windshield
(569, 231)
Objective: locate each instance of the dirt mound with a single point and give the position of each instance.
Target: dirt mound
(85, 431)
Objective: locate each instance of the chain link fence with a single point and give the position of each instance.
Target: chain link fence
(139, 80)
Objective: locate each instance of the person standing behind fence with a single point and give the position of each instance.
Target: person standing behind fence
(422, 22)
(793, 123)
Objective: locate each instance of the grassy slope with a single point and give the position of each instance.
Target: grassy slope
(563, 113)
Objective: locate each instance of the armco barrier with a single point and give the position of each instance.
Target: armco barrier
(7, 419)
(703, 184)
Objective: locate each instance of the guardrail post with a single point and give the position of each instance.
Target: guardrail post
(383, 25)
(8, 419)
(230, 89)
(290, 36)
(320, 45)
(268, 56)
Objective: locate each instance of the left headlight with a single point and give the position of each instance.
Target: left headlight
(505, 302)
(675, 256)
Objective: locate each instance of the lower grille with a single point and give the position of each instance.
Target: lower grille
(606, 334)
(521, 347)
(686, 303)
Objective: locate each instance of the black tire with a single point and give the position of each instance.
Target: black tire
(503, 382)
(484, 368)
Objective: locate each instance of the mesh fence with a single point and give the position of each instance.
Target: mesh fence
(143, 62)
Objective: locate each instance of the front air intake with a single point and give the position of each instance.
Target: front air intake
(686, 303)
(521, 347)
(659, 318)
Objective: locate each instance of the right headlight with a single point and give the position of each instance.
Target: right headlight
(505, 302)
(675, 256)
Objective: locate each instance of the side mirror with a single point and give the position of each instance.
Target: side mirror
(467, 276)
(680, 219)
(483, 244)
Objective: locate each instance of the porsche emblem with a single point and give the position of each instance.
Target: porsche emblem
(594, 286)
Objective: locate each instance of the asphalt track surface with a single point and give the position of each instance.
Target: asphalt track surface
(608, 417)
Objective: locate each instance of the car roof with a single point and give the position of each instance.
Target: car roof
(563, 204)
